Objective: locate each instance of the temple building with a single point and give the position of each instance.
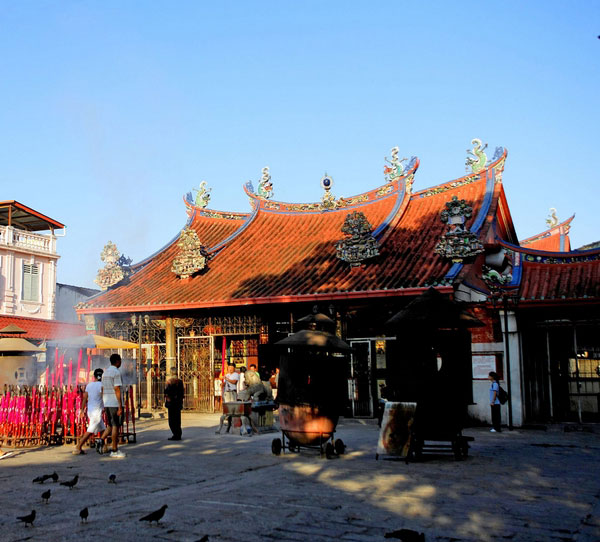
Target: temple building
(231, 284)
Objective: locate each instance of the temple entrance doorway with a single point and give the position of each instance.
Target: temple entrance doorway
(360, 383)
(195, 367)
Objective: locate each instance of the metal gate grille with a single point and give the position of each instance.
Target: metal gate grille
(195, 365)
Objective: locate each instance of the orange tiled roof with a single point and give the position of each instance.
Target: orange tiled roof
(555, 239)
(286, 252)
(38, 329)
(561, 282)
(543, 277)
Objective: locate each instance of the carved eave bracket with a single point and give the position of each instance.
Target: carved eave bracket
(495, 280)
(358, 244)
(457, 243)
(192, 256)
(116, 268)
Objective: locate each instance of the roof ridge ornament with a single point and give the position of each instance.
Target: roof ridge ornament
(328, 201)
(552, 220)
(192, 255)
(478, 159)
(395, 170)
(116, 269)
(359, 243)
(457, 243)
(494, 279)
(265, 187)
(202, 195)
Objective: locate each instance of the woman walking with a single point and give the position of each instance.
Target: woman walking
(495, 402)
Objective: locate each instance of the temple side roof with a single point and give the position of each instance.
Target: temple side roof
(284, 252)
(543, 277)
(39, 329)
(554, 239)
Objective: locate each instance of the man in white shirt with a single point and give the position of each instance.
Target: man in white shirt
(231, 380)
(92, 397)
(113, 404)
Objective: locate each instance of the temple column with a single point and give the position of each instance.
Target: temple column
(171, 359)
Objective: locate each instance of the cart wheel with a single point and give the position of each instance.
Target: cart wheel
(418, 450)
(339, 446)
(329, 450)
(465, 449)
(457, 449)
(276, 446)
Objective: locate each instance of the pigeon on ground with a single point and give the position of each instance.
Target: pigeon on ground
(41, 479)
(156, 515)
(83, 514)
(54, 477)
(112, 478)
(71, 483)
(28, 519)
(46, 495)
(406, 535)
(203, 539)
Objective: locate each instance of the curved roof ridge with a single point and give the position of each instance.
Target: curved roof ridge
(194, 212)
(342, 204)
(497, 164)
(250, 218)
(383, 231)
(142, 263)
(550, 255)
(547, 232)
(213, 213)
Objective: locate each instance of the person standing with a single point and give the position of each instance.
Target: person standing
(231, 380)
(113, 403)
(174, 395)
(495, 403)
(92, 398)
(241, 385)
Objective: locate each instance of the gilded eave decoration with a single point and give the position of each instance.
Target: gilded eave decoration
(116, 267)
(192, 255)
(359, 243)
(457, 243)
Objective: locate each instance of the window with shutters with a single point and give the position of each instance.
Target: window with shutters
(31, 282)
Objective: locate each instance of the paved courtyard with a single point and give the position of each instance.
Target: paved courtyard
(519, 485)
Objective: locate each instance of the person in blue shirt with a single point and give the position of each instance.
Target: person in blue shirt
(495, 402)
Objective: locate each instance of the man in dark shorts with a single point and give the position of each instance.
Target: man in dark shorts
(174, 394)
(113, 402)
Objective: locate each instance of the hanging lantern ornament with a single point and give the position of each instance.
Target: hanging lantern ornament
(457, 243)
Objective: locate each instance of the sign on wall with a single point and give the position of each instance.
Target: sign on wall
(483, 364)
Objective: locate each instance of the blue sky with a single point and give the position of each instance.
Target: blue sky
(112, 111)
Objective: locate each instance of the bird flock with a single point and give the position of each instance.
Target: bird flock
(28, 519)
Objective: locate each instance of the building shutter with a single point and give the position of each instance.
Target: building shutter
(31, 282)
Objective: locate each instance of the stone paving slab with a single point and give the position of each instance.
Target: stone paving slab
(517, 485)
